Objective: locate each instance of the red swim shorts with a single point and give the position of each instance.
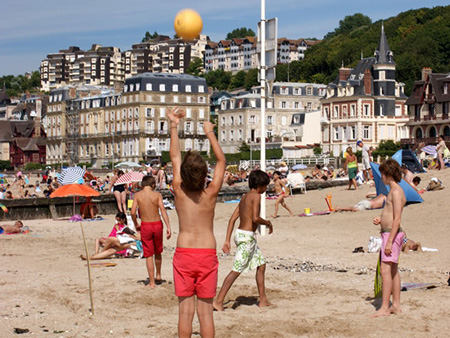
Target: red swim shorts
(396, 247)
(195, 272)
(152, 238)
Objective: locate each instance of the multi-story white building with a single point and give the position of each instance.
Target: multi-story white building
(365, 103)
(240, 54)
(129, 126)
(292, 117)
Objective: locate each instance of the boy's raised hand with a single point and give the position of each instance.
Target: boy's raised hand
(175, 115)
(208, 126)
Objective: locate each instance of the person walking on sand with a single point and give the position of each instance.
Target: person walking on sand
(248, 255)
(440, 152)
(195, 263)
(150, 204)
(392, 236)
(366, 153)
(351, 166)
(280, 189)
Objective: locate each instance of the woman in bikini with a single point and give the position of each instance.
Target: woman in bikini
(120, 193)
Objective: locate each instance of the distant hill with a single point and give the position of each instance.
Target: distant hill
(419, 38)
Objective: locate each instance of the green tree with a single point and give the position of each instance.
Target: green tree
(148, 36)
(244, 147)
(349, 23)
(238, 80)
(195, 67)
(317, 150)
(251, 78)
(218, 79)
(240, 33)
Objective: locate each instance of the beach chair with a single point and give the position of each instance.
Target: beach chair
(296, 181)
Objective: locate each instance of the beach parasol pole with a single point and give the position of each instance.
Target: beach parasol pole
(89, 269)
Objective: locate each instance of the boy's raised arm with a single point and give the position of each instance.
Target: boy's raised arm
(175, 153)
(226, 246)
(219, 171)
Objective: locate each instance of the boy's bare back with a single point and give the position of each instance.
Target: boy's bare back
(389, 212)
(249, 206)
(148, 202)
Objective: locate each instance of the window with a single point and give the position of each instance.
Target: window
(223, 136)
(309, 106)
(253, 119)
(366, 110)
(188, 113)
(162, 87)
(150, 112)
(223, 120)
(201, 113)
(296, 105)
(148, 87)
(296, 91)
(283, 104)
(336, 133)
(283, 120)
(162, 98)
(309, 91)
(188, 99)
(381, 91)
(336, 111)
(353, 133)
(201, 89)
(175, 87)
(175, 99)
(201, 99)
(162, 112)
(231, 135)
(241, 120)
(188, 128)
(269, 120)
(366, 132)
(284, 91)
(188, 88)
(352, 110)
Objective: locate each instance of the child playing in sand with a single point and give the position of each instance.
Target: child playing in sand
(195, 261)
(150, 204)
(392, 237)
(248, 255)
(279, 187)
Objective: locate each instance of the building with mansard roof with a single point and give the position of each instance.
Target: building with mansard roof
(429, 109)
(365, 103)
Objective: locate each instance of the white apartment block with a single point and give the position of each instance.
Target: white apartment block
(129, 126)
(290, 107)
(240, 53)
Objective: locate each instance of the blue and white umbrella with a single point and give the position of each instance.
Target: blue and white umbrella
(71, 175)
(431, 150)
(299, 167)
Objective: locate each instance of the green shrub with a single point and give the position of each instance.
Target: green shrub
(82, 164)
(5, 165)
(34, 166)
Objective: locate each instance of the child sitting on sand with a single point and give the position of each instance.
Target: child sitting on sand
(195, 261)
(150, 204)
(248, 255)
(392, 237)
(121, 222)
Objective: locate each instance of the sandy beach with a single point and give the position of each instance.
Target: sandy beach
(318, 287)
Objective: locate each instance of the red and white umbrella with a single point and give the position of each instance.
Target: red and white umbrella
(132, 176)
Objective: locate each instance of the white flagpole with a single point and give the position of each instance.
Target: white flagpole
(262, 228)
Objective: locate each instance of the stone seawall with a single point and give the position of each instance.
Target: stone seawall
(45, 208)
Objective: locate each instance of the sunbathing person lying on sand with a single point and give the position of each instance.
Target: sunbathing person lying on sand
(13, 229)
(410, 245)
(376, 203)
(123, 241)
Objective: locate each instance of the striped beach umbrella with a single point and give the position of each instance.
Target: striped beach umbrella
(132, 176)
(431, 150)
(71, 175)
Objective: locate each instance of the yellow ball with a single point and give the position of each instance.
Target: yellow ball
(188, 24)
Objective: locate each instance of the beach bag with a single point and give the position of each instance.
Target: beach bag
(374, 244)
(435, 184)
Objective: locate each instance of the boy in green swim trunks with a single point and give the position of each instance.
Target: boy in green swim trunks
(248, 255)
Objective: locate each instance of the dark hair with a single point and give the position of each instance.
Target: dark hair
(193, 171)
(318, 166)
(148, 181)
(441, 136)
(417, 180)
(391, 168)
(122, 215)
(277, 172)
(120, 173)
(258, 178)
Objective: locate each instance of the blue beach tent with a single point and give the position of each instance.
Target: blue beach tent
(406, 156)
(411, 195)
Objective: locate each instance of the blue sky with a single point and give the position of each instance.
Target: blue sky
(31, 29)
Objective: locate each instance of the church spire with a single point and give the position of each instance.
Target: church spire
(383, 54)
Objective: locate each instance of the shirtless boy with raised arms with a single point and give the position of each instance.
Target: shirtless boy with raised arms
(195, 261)
(150, 203)
(392, 237)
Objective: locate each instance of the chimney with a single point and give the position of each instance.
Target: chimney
(344, 73)
(425, 72)
(367, 82)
